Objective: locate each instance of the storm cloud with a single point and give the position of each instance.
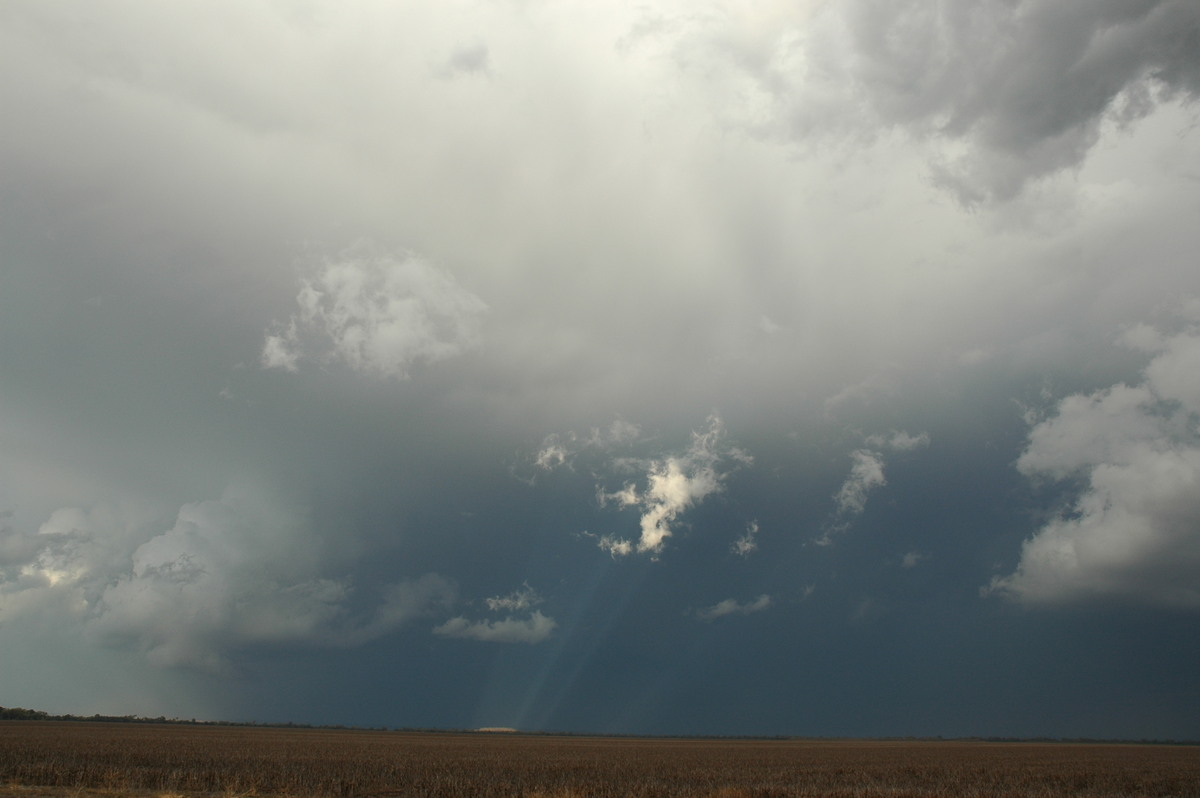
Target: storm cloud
(345, 344)
(1003, 94)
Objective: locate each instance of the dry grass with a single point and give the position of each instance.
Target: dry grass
(83, 760)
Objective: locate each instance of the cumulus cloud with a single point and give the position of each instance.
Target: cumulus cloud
(1005, 93)
(229, 573)
(673, 484)
(733, 607)
(746, 544)
(379, 314)
(1133, 530)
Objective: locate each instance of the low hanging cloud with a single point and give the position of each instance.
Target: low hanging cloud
(733, 607)
(673, 485)
(378, 314)
(1132, 532)
(533, 628)
(230, 573)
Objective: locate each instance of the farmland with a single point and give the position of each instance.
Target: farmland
(86, 760)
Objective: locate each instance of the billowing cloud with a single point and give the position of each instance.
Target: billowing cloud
(1004, 93)
(673, 484)
(230, 573)
(1133, 531)
(733, 607)
(534, 629)
(379, 314)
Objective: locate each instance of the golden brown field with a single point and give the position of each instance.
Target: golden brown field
(88, 760)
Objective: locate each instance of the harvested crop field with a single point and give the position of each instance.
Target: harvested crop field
(93, 760)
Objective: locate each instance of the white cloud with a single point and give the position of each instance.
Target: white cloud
(534, 629)
(379, 314)
(912, 559)
(617, 547)
(747, 543)
(560, 450)
(553, 454)
(674, 484)
(866, 473)
(521, 599)
(281, 350)
(899, 441)
(733, 607)
(1133, 531)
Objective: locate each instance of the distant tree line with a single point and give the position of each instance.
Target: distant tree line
(20, 713)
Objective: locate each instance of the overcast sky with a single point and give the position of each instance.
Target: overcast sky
(816, 368)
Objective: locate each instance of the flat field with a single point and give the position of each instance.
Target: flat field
(90, 760)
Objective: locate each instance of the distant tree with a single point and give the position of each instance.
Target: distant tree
(19, 713)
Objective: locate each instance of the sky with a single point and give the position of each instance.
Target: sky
(807, 368)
